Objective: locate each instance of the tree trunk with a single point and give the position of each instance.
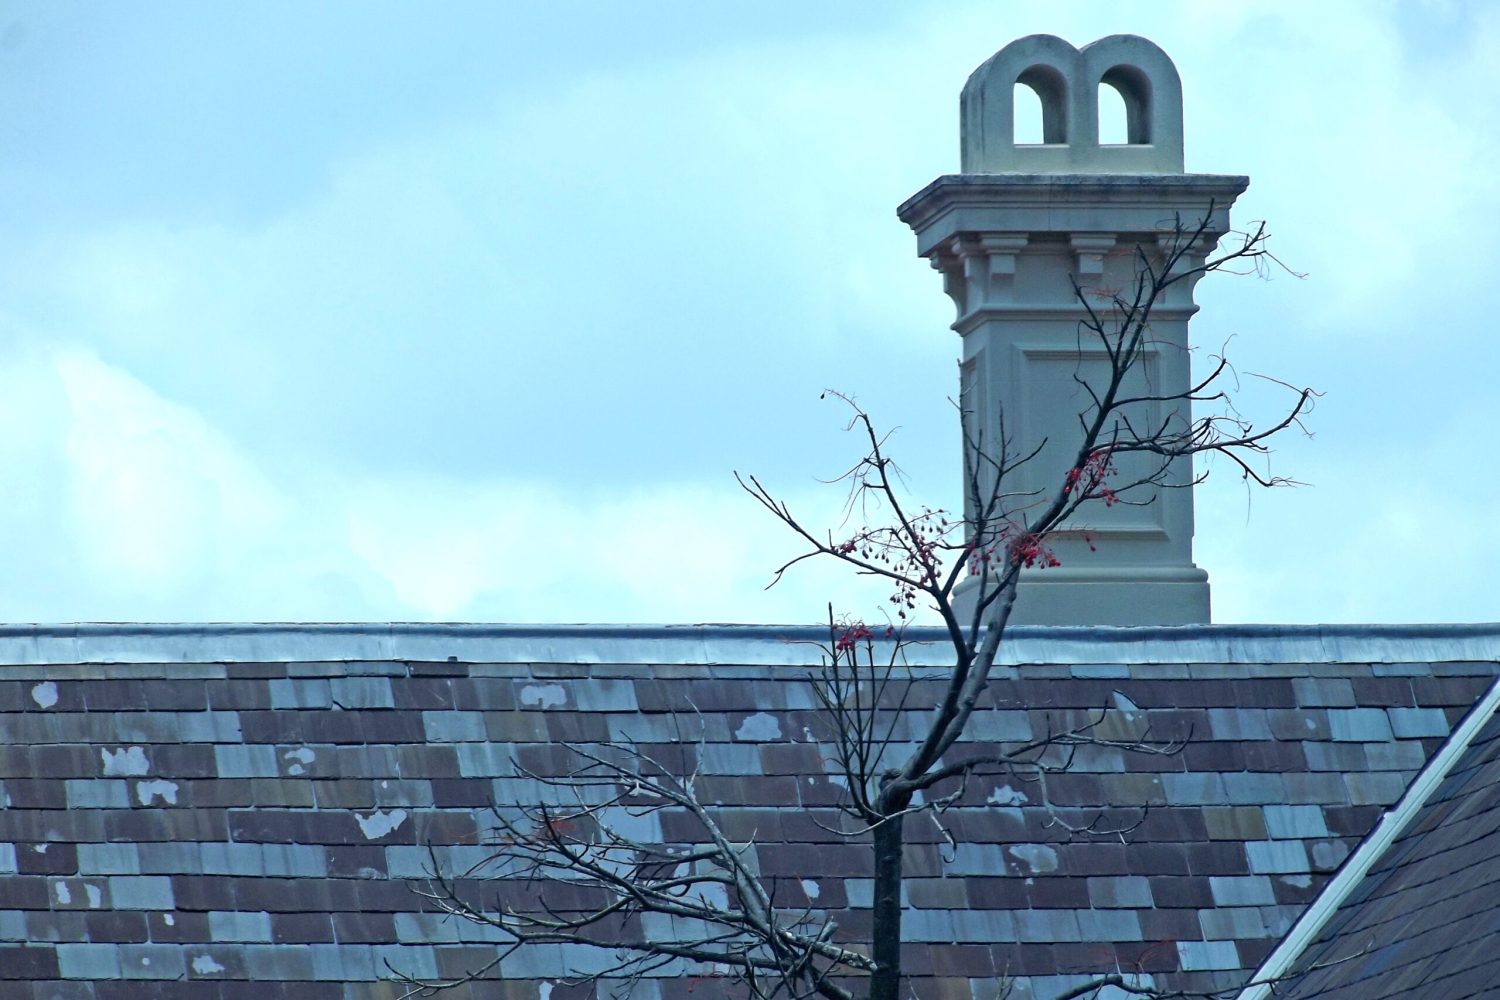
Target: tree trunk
(885, 982)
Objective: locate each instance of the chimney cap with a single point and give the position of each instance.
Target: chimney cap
(1067, 81)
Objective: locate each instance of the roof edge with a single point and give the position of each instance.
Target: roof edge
(104, 642)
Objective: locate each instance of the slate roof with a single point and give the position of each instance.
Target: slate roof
(1423, 919)
(233, 811)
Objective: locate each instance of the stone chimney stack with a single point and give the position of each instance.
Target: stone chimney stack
(1008, 234)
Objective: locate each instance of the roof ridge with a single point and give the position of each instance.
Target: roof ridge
(156, 642)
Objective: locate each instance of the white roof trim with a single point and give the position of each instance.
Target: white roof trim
(790, 645)
(1358, 864)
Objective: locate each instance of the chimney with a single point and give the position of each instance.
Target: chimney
(1011, 234)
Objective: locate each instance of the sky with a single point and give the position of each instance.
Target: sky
(469, 311)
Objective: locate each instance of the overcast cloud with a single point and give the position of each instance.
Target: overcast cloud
(468, 311)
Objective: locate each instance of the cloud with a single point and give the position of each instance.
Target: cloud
(156, 493)
(1385, 541)
(498, 551)
(162, 515)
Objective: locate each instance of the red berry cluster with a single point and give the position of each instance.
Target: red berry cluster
(1089, 477)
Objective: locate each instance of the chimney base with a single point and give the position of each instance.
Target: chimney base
(1166, 595)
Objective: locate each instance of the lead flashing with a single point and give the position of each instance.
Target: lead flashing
(790, 645)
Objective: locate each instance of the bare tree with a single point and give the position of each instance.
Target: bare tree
(574, 872)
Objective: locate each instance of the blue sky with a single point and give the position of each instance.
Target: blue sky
(366, 311)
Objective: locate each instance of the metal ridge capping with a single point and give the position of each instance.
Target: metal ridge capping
(791, 645)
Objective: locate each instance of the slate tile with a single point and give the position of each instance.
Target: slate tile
(1383, 692)
(1239, 724)
(411, 792)
(1253, 890)
(1297, 889)
(198, 892)
(1169, 824)
(459, 792)
(36, 794)
(1298, 724)
(1208, 955)
(255, 670)
(1050, 893)
(1182, 890)
(47, 859)
(1038, 925)
(19, 825)
(791, 759)
(63, 761)
(1359, 725)
(140, 892)
(362, 692)
(1274, 756)
(279, 895)
(960, 960)
(271, 826)
(1294, 822)
(93, 793)
(1156, 859)
(282, 793)
(451, 667)
(92, 961)
(1415, 723)
(1170, 925)
(57, 925)
(445, 827)
(1264, 692)
(571, 727)
(1377, 788)
(1024, 958)
(1253, 952)
(301, 928)
(185, 760)
(1446, 691)
(28, 962)
(114, 695)
(1235, 823)
(1400, 755)
(364, 927)
(355, 861)
(1095, 858)
(1335, 756)
(505, 727)
(1217, 859)
(1193, 788)
(1120, 891)
(1314, 788)
(236, 695)
(1323, 692)
(944, 893)
(1109, 925)
(177, 927)
(279, 962)
(1327, 855)
(1277, 856)
(117, 926)
(279, 726)
(1353, 821)
(80, 893)
(1067, 789)
(373, 761)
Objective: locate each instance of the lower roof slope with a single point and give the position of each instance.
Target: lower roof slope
(1422, 923)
